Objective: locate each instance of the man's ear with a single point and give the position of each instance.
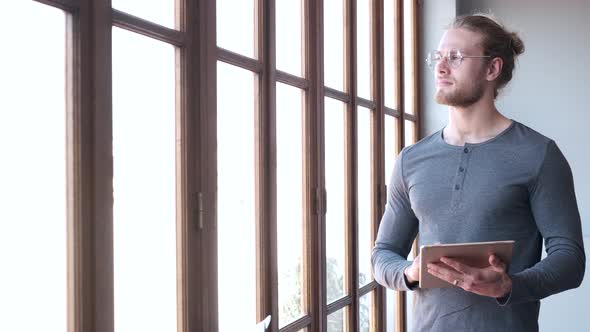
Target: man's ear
(494, 68)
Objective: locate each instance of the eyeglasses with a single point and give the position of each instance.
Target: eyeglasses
(453, 57)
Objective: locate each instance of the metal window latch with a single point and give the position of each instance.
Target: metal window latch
(200, 210)
(324, 201)
(320, 201)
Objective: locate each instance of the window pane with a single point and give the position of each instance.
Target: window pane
(363, 41)
(390, 306)
(389, 53)
(390, 155)
(235, 197)
(410, 296)
(390, 146)
(290, 203)
(289, 33)
(365, 192)
(337, 321)
(33, 282)
(410, 301)
(409, 57)
(157, 11)
(409, 132)
(335, 177)
(236, 26)
(144, 144)
(366, 312)
(334, 44)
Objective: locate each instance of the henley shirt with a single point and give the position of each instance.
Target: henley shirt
(516, 186)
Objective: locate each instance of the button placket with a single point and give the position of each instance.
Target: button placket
(459, 179)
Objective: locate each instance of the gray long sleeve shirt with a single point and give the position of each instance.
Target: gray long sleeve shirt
(516, 186)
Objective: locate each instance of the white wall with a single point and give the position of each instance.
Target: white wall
(547, 93)
(435, 15)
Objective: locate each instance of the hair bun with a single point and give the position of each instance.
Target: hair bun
(516, 43)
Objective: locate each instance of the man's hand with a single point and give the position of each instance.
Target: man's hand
(412, 272)
(492, 281)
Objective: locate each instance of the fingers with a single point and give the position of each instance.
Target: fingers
(497, 264)
(447, 274)
(485, 282)
(457, 266)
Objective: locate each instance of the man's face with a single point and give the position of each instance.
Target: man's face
(463, 85)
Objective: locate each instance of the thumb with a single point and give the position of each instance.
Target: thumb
(497, 264)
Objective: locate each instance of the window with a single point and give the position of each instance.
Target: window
(335, 147)
(34, 172)
(236, 191)
(212, 162)
(290, 222)
(144, 181)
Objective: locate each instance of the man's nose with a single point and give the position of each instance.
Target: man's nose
(442, 66)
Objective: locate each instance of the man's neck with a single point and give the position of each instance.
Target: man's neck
(474, 124)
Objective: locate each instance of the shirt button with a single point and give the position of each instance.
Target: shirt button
(457, 187)
(461, 169)
(466, 150)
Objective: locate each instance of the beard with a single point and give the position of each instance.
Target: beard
(462, 95)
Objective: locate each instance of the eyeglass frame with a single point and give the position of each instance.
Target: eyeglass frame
(447, 57)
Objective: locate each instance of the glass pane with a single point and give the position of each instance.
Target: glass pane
(337, 321)
(157, 11)
(409, 132)
(390, 146)
(410, 296)
(289, 37)
(389, 53)
(33, 282)
(366, 312)
(144, 231)
(290, 203)
(334, 44)
(335, 177)
(363, 41)
(391, 153)
(409, 56)
(235, 197)
(365, 193)
(237, 26)
(410, 300)
(390, 307)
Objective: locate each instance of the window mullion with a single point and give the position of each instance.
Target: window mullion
(379, 316)
(196, 126)
(91, 298)
(266, 153)
(352, 165)
(315, 163)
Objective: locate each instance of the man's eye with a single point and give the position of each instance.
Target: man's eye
(454, 56)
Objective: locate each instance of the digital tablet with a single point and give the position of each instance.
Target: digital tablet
(475, 254)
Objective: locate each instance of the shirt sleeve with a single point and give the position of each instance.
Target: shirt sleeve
(554, 207)
(397, 231)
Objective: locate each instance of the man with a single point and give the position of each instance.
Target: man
(483, 177)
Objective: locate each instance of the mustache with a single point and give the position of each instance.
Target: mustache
(445, 80)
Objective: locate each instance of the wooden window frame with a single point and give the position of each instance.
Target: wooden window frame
(90, 166)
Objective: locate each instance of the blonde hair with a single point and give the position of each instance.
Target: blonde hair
(497, 41)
